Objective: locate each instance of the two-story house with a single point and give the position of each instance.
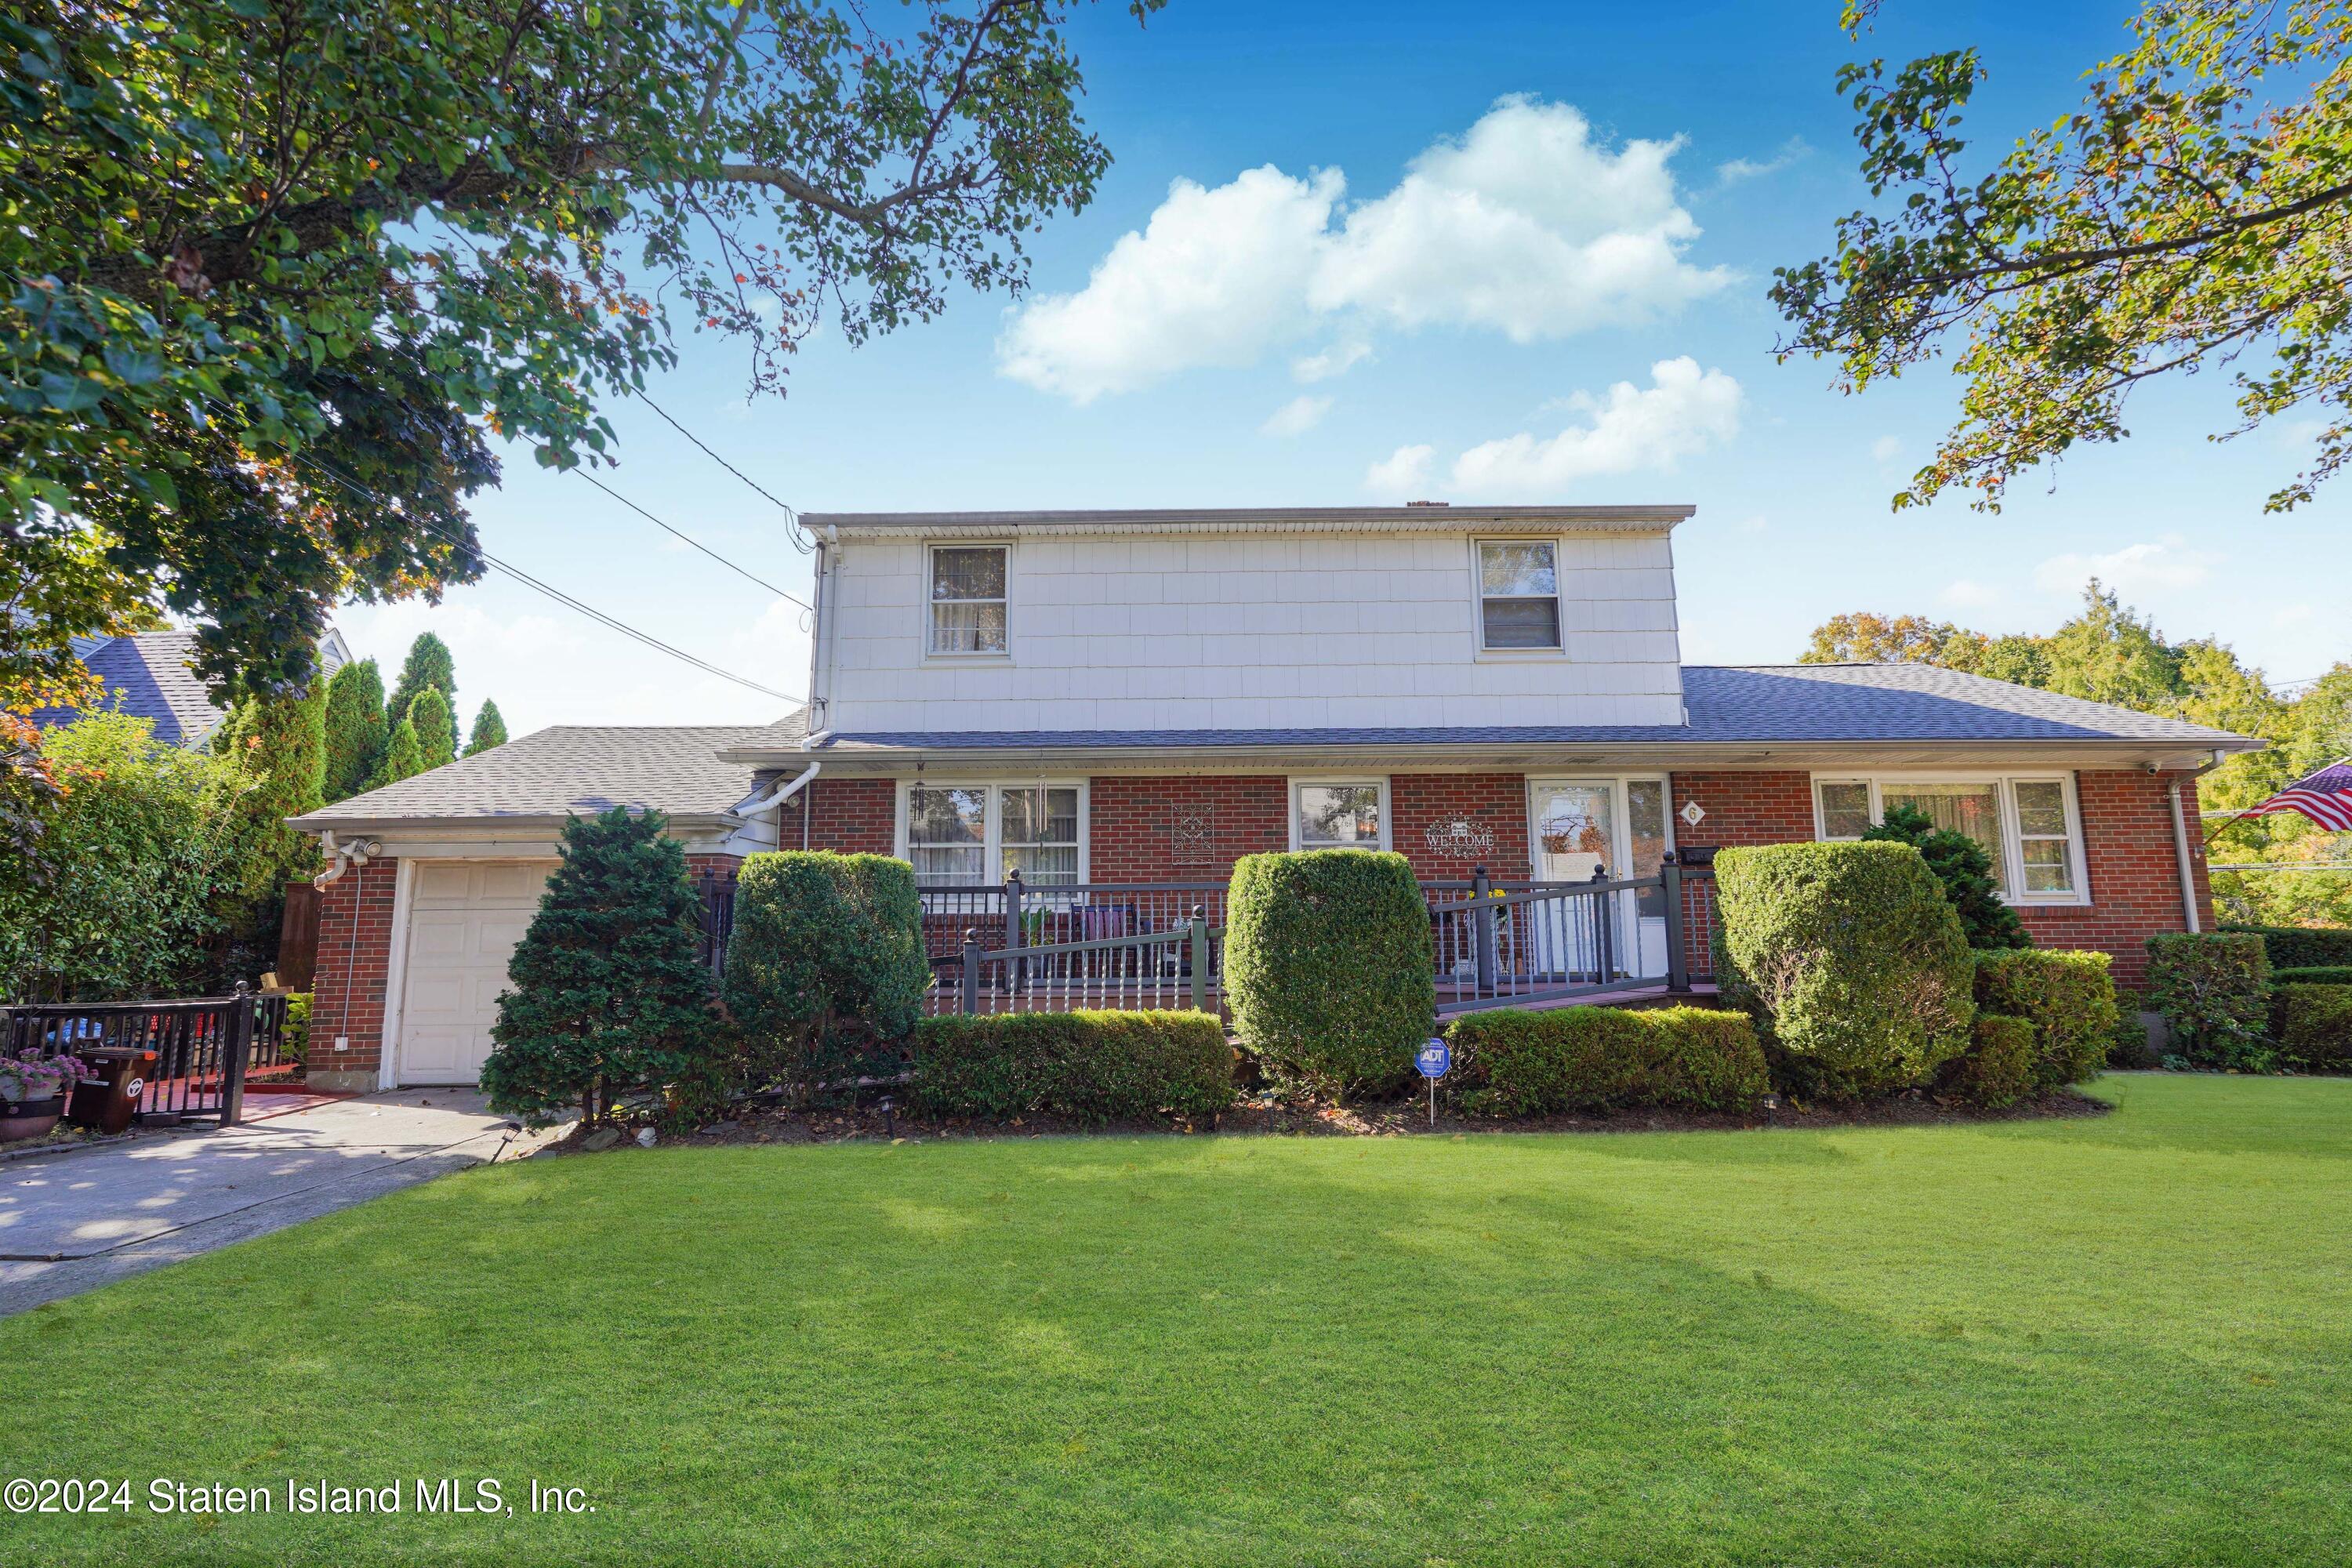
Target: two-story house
(1139, 697)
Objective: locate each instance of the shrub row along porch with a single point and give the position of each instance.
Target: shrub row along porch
(1017, 948)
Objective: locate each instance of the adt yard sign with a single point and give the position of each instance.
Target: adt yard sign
(1435, 1059)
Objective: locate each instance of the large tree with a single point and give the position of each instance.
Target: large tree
(490, 729)
(272, 267)
(356, 734)
(2195, 212)
(430, 666)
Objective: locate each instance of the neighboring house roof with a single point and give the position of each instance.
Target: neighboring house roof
(147, 676)
(1780, 703)
(1426, 518)
(575, 770)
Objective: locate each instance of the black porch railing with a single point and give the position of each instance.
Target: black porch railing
(204, 1048)
(1013, 947)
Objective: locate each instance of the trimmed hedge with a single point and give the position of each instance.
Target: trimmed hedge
(1328, 968)
(1606, 1058)
(2000, 1067)
(2313, 1024)
(826, 971)
(1088, 1066)
(2314, 974)
(2068, 997)
(2129, 1047)
(2301, 947)
(1851, 959)
(2214, 990)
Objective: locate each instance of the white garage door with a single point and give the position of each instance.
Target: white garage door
(464, 920)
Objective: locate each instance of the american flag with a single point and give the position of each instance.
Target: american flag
(2326, 797)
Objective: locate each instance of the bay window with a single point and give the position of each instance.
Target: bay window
(977, 835)
(2028, 825)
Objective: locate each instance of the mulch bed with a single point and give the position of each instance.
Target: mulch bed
(1267, 1115)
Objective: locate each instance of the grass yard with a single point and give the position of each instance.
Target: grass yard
(2123, 1339)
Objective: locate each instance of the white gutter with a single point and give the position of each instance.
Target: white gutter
(341, 858)
(778, 795)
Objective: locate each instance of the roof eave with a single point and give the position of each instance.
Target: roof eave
(1253, 520)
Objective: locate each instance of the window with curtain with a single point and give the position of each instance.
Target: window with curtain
(968, 602)
(1518, 594)
(1338, 816)
(1039, 831)
(2028, 826)
(1970, 808)
(1845, 808)
(947, 835)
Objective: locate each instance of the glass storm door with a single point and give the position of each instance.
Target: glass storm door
(1616, 827)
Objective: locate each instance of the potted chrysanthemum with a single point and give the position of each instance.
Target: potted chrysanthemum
(33, 1090)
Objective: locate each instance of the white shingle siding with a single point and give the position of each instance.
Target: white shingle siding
(1249, 631)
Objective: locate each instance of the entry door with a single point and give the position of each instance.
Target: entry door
(1617, 827)
(465, 918)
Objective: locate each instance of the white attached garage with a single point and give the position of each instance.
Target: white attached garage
(464, 920)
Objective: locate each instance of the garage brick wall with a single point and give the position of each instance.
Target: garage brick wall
(347, 991)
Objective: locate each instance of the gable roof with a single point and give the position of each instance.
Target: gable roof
(575, 770)
(147, 677)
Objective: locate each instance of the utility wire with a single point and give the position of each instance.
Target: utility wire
(658, 522)
(790, 513)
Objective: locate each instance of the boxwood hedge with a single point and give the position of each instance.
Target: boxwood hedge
(2213, 989)
(2313, 1025)
(1999, 1067)
(1329, 969)
(1088, 1066)
(1605, 1059)
(2301, 947)
(2068, 997)
(2314, 974)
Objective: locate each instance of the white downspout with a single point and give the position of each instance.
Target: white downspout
(2181, 847)
(341, 858)
(778, 795)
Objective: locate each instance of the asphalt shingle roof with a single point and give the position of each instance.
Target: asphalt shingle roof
(147, 676)
(577, 770)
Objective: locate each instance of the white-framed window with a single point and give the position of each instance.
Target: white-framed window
(968, 606)
(1340, 814)
(2029, 822)
(1519, 595)
(974, 835)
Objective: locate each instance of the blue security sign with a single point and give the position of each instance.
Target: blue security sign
(1435, 1059)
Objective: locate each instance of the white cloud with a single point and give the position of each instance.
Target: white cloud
(1887, 448)
(1755, 525)
(1967, 594)
(1296, 417)
(1525, 225)
(1683, 410)
(1741, 168)
(1403, 475)
(1335, 360)
(1214, 277)
(2135, 569)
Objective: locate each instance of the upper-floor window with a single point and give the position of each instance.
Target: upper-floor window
(967, 601)
(2029, 826)
(1518, 594)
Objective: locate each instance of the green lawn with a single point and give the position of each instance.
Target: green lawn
(2126, 1339)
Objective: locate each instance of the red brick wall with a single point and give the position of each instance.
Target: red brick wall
(2127, 837)
(856, 816)
(1496, 803)
(1135, 822)
(347, 990)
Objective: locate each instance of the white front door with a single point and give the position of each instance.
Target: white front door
(1614, 827)
(464, 918)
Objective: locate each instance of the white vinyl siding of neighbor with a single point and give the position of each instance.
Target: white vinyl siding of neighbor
(1249, 631)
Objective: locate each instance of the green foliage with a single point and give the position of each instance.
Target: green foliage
(1328, 968)
(148, 838)
(2129, 1046)
(2189, 216)
(270, 271)
(2214, 990)
(356, 733)
(825, 969)
(610, 997)
(294, 1038)
(2069, 998)
(2000, 1065)
(428, 714)
(490, 729)
(2296, 947)
(1606, 1058)
(1963, 866)
(429, 667)
(280, 745)
(1851, 959)
(2313, 1025)
(402, 759)
(1085, 1066)
(2313, 974)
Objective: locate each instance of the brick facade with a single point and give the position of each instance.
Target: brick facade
(1153, 830)
(856, 816)
(347, 993)
(1494, 805)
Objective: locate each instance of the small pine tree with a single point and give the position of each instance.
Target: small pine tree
(429, 664)
(437, 733)
(1964, 869)
(490, 729)
(402, 759)
(610, 996)
(355, 729)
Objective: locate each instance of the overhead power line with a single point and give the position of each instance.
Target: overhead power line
(697, 545)
(792, 514)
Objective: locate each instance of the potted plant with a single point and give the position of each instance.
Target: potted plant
(33, 1089)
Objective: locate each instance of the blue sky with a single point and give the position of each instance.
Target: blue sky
(1382, 252)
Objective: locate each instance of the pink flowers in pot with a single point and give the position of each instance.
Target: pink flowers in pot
(31, 1078)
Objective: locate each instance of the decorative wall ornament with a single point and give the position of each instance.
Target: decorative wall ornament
(1460, 839)
(1191, 838)
(1693, 813)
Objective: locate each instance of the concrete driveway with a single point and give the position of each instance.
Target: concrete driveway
(72, 1221)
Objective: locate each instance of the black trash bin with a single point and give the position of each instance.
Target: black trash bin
(107, 1102)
